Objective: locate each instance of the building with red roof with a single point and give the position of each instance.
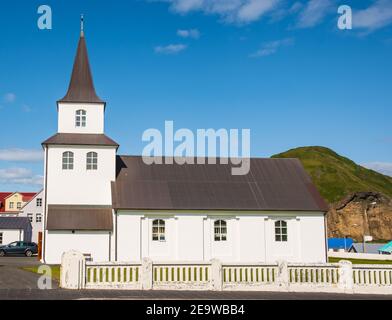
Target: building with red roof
(13, 202)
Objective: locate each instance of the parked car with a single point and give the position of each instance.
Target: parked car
(19, 247)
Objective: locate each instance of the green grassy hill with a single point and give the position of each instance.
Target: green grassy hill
(337, 176)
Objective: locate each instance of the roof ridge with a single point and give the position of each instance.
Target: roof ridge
(252, 158)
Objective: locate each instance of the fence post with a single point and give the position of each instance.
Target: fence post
(282, 279)
(146, 276)
(73, 270)
(216, 282)
(346, 281)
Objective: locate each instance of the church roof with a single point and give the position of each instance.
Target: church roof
(271, 184)
(81, 87)
(80, 139)
(68, 217)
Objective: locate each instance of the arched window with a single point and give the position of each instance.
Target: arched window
(80, 118)
(220, 230)
(92, 161)
(68, 160)
(281, 231)
(158, 230)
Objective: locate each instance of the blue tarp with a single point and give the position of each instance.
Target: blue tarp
(386, 248)
(340, 243)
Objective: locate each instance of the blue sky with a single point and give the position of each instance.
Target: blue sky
(280, 68)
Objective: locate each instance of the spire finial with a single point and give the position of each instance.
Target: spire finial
(82, 25)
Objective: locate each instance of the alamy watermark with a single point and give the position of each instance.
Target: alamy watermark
(45, 281)
(184, 147)
(45, 19)
(345, 21)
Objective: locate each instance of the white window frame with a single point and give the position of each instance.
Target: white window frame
(1, 238)
(220, 230)
(158, 230)
(80, 118)
(39, 202)
(30, 216)
(38, 218)
(11, 205)
(19, 205)
(281, 234)
(92, 161)
(68, 160)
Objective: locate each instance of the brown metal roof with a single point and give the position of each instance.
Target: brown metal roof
(81, 87)
(80, 138)
(67, 217)
(271, 184)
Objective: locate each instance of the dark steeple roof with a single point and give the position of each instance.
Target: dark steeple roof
(81, 88)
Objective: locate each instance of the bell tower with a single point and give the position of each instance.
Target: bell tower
(80, 165)
(81, 110)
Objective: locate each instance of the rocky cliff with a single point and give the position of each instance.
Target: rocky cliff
(361, 213)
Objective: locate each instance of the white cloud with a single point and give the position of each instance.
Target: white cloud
(381, 167)
(272, 47)
(26, 108)
(252, 10)
(170, 49)
(191, 33)
(184, 6)
(9, 97)
(23, 155)
(284, 11)
(238, 11)
(378, 15)
(314, 12)
(20, 176)
(310, 12)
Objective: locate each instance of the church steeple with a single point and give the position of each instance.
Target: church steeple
(81, 87)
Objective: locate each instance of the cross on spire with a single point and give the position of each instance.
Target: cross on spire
(82, 25)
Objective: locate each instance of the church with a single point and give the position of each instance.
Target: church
(113, 207)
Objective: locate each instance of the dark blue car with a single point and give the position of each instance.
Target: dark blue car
(19, 247)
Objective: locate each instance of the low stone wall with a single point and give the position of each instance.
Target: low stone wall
(364, 256)
(341, 277)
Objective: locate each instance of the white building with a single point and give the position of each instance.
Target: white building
(14, 229)
(118, 208)
(33, 210)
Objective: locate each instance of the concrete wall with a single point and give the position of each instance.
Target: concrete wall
(365, 256)
(11, 236)
(80, 186)
(95, 243)
(250, 237)
(94, 120)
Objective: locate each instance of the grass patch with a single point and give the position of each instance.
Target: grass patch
(360, 261)
(55, 271)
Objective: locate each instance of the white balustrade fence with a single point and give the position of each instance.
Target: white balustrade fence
(76, 273)
(120, 275)
(181, 276)
(376, 275)
(249, 276)
(315, 274)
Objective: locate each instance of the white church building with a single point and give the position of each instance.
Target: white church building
(117, 208)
